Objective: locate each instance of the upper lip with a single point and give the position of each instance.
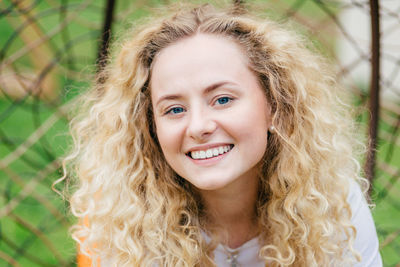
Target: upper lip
(206, 146)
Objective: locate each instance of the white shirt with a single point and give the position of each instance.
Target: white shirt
(366, 242)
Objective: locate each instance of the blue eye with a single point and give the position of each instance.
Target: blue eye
(175, 110)
(223, 100)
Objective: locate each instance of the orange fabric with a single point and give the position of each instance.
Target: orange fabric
(83, 260)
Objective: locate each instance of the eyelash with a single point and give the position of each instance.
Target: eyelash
(170, 111)
(217, 101)
(229, 99)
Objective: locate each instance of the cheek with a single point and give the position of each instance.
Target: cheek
(250, 129)
(163, 138)
(250, 122)
(168, 139)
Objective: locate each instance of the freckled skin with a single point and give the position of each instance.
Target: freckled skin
(187, 115)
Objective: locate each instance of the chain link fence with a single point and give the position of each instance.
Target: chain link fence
(48, 51)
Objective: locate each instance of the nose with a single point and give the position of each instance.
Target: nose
(201, 124)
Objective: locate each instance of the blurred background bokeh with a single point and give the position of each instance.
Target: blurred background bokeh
(48, 55)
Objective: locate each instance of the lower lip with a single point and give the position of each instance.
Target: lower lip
(209, 161)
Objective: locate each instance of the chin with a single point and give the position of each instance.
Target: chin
(210, 185)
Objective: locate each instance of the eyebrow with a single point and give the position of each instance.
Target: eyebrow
(207, 90)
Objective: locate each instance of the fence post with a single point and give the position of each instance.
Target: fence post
(105, 34)
(374, 91)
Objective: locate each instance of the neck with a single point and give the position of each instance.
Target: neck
(232, 210)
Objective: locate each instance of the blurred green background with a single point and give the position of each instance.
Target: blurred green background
(48, 53)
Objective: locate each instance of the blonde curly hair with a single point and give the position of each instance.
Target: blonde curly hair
(142, 213)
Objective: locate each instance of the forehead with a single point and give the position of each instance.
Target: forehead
(198, 59)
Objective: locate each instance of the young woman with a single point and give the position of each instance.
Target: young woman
(217, 139)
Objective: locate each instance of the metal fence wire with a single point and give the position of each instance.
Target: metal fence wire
(48, 53)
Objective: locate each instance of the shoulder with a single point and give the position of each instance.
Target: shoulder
(366, 242)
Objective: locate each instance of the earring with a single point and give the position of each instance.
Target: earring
(271, 129)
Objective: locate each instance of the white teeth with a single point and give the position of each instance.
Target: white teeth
(209, 153)
(215, 152)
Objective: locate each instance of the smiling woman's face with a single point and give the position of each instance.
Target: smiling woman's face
(211, 114)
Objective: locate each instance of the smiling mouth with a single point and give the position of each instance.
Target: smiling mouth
(210, 153)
